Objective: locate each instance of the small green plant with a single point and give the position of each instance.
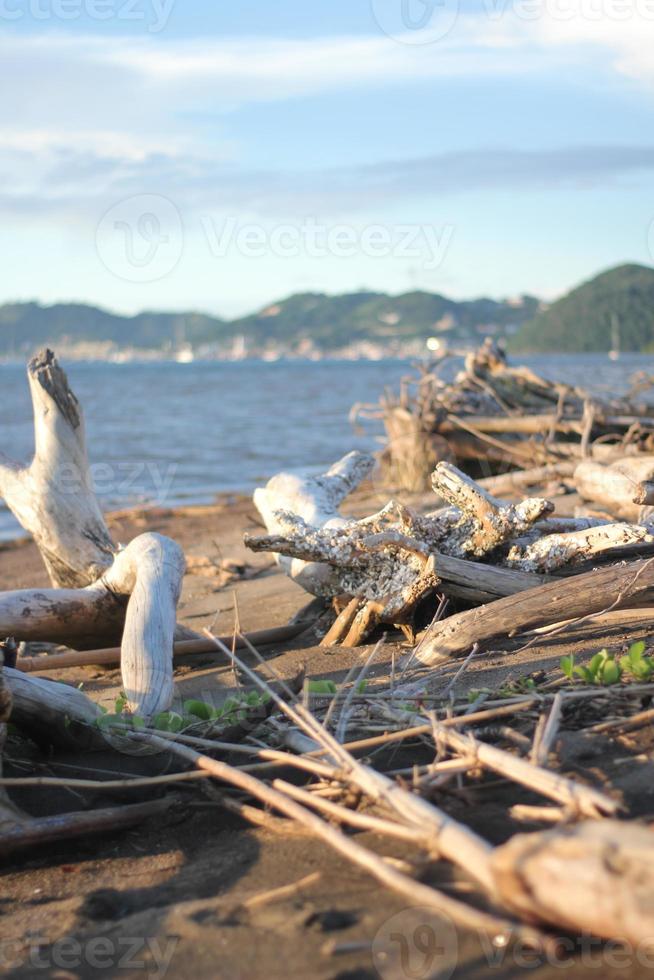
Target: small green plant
(232, 712)
(322, 687)
(606, 669)
(603, 669)
(636, 663)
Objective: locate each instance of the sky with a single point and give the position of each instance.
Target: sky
(213, 156)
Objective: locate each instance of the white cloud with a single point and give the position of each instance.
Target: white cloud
(105, 117)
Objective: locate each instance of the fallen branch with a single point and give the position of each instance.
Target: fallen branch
(616, 586)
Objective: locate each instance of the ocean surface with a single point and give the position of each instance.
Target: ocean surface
(165, 433)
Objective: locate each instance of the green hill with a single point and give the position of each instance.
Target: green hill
(587, 319)
(333, 321)
(330, 322)
(24, 326)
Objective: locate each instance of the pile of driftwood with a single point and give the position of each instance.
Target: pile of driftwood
(494, 416)
(501, 559)
(515, 563)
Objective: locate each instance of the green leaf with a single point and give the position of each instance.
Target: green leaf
(597, 662)
(322, 687)
(585, 674)
(199, 709)
(567, 666)
(610, 672)
(636, 651)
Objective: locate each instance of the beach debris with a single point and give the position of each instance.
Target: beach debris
(566, 599)
(53, 497)
(593, 877)
(624, 488)
(102, 593)
(494, 415)
(381, 567)
(135, 601)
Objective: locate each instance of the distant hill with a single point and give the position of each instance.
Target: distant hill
(326, 322)
(24, 326)
(333, 321)
(587, 318)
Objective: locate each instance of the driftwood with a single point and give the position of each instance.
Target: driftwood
(31, 832)
(136, 598)
(53, 497)
(181, 648)
(622, 488)
(595, 877)
(316, 501)
(386, 564)
(616, 586)
(52, 713)
(496, 414)
(9, 813)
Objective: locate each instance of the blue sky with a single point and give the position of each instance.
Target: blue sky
(176, 154)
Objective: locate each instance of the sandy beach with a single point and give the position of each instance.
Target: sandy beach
(192, 886)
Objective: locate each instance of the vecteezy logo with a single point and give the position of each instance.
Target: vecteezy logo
(416, 944)
(141, 238)
(416, 21)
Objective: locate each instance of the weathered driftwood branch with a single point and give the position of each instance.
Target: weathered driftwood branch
(578, 798)
(555, 550)
(9, 813)
(32, 832)
(480, 522)
(135, 599)
(53, 713)
(616, 586)
(315, 500)
(594, 877)
(621, 488)
(53, 497)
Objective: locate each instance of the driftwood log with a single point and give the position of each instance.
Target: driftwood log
(622, 488)
(595, 877)
(495, 414)
(617, 586)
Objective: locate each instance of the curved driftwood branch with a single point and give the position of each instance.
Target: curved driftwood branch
(53, 497)
(151, 569)
(136, 598)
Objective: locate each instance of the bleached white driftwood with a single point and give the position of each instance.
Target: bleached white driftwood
(594, 877)
(387, 560)
(316, 501)
(556, 550)
(151, 570)
(53, 497)
(477, 522)
(136, 598)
